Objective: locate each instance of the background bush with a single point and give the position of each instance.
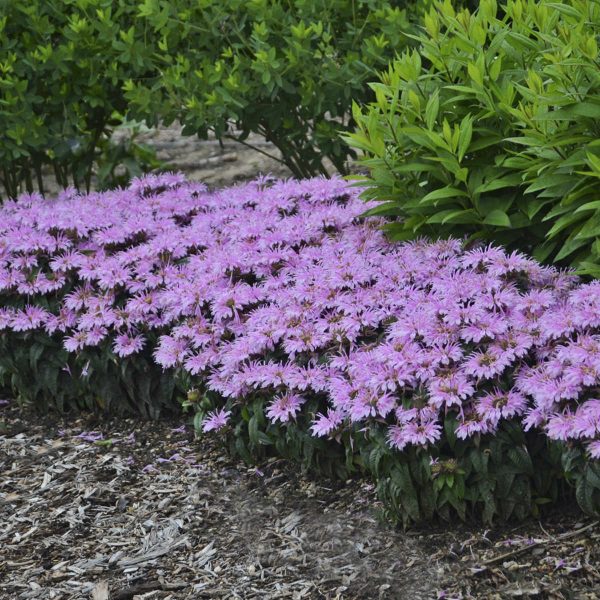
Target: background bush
(285, 70)
(63, 65)
(71, 71)
(490, 130)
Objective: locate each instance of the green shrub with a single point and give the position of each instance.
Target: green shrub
(73, 70)
(490, 129)
(287, 70)
(63, 65)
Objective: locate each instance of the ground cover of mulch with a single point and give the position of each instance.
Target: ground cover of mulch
(121, 510)
(143, 509)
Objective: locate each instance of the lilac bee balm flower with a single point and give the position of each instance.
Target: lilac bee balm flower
(326, 424)
(126, 344)
(215, 420)
(281, 290)
(594, 449)
(285, 407)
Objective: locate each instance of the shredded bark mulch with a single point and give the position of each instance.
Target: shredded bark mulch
(137, 510)
(141, 509)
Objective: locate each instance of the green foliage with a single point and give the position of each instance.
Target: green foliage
(72, 70)
(490, 129)
(63, 64)
(508, 475)
(287, 70)
(36, 369)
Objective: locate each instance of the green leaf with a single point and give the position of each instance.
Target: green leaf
(564, 222)
(594, 161)
(441, 193)
(475, 74)
(508, 181)
(482, 142)
(384, 209)
(414, 167)
(585, 494)
(570, 246)
(566, 9)
(454, 216)
(375, 457)
(548, 181)
(591, 228)
(589, 110)
(245, 413)
(595, 205)
(465, 136)
(35, 352)
(450, 425)
(432, 109)
(253, 430)
(498, 218)
(521, 459)
(264, 439)
(408, 498)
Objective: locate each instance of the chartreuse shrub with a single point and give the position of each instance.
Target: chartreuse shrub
(490, 129)
(463, 381)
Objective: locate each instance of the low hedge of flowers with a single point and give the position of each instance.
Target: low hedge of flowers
(464, 381)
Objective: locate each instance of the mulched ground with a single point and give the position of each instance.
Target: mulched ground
(114, 511)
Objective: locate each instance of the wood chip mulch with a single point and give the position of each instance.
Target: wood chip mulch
(556, 559)
(96, 510)
(137, 510)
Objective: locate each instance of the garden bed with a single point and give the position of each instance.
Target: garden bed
(252, 379)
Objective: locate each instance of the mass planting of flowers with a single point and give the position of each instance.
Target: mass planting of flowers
(282, 290)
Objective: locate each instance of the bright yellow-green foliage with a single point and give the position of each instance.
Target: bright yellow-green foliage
(491, 129)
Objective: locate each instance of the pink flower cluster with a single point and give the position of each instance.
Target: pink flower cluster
(281, 289)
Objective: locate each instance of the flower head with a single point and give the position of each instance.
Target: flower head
(216, 420)
(285, 407)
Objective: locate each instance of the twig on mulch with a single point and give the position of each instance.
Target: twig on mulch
(528, 547)
(143, 588)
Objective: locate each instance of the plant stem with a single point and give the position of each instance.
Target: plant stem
(38, 173)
